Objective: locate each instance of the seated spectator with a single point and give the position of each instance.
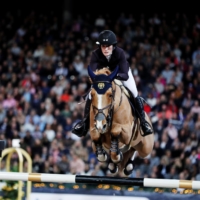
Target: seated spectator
(59, 117)
(54, 151)
(145, 166)
(28, 139)
(45, 89)
(45, 153)
(49, 132)
(64, 165)
(21, 118)
(9, 102)
(28, 126)
(80, 150)
(151, 100)
(172, 174)
(72, 72)
(100, 22)
(36, 147)
(165, 141)
(171, 131)
(78, 64)
(36, 102)
(47, 117)
(33, 116)
(65, 96)
(48, 50)
(15, 49)
(195, 109)
(189, 123)
(196, 59)
(66, 112)
(165, 112)
(61, 71)
(167, 73)
(57, 88)
(37, 133)
(38, 52)
(154, 160)
(77, 165)
(172, 61)
(2, 113)
(38, 164)
(68, 124)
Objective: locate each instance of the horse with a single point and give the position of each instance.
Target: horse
(114, 127)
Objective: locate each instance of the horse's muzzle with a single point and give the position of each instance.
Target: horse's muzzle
(101, 127)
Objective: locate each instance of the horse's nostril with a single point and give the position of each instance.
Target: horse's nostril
(104, 126)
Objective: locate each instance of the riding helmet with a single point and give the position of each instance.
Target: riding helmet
(107, 37)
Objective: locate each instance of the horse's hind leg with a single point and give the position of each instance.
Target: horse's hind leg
(112, 167)
(130, 165)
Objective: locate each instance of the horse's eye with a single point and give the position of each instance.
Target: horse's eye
(110, 95)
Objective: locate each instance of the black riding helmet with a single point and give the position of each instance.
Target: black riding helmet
(107, 37)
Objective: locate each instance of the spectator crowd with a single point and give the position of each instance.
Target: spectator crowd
(43, 76)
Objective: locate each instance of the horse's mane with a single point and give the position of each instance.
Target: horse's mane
(104, 70)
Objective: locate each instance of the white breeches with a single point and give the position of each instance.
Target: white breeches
(130, 84)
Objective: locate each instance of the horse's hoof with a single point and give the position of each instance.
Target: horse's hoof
(119, 158)
(113, 168)
(102, 157)
(129, 168)
(127, 173)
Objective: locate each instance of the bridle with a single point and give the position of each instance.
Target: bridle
(100, 115)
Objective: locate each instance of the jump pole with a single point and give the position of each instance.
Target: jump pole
(65, 178)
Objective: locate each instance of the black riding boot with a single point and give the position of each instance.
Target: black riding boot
(147, 129)
(81, 128)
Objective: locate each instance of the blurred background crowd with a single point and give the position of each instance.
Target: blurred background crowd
(43, 76)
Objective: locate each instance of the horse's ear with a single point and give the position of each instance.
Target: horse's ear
(91, 73)
(114, 73)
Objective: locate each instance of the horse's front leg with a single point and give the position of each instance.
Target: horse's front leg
(115, 153)
(101, 154)
(118, 135)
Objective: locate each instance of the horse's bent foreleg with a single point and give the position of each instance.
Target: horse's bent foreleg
(100, 152)
(115, 153)
(97, 147)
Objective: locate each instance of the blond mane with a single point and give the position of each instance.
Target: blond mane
(104, 70)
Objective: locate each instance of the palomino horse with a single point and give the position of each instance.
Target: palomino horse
(114, 128)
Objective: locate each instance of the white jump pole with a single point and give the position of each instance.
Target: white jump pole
(65, 178)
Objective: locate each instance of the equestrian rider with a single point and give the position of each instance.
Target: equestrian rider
(110, 55)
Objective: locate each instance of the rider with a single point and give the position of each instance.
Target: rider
(110, 55)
